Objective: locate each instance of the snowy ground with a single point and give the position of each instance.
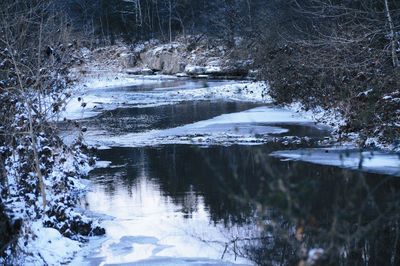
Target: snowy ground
(47, 246)
(42, 245)
(331, 118)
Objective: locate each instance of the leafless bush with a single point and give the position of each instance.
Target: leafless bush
(337, 54)
(35, 53)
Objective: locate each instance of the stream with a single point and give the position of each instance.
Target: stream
(194, 179)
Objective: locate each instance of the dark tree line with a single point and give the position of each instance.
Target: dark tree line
(144, 19)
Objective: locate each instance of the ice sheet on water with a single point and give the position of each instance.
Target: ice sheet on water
(251, 126)
(102, 164)
(369, 161)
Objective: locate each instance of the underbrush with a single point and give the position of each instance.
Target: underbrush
(40, 176)
(358, 81)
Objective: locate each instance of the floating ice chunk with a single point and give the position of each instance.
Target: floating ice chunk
(369, 161)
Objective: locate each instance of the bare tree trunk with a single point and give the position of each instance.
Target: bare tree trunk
(140, 13)
(37, 164)
(170, 21)
(249, 13)
(180, 19)
(393, 37)
(159, 20)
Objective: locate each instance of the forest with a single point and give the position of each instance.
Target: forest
(339, 56)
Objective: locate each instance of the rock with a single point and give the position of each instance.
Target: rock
(129, 59)
(195, 70)
(71, 226)
(98, 231)
(167, 63)
(181, 75)
(192, 57)
(214, 61)
(213, 70)
(166, 58)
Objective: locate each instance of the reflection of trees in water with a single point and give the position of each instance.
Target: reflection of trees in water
(298, 206)
(210, 172)
(354, 217)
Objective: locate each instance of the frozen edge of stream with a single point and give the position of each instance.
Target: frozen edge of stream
(194, 134)
(89, 101)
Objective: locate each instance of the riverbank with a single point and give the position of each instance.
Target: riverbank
(123, 65)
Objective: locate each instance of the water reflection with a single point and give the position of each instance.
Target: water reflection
(131, 120)
(178, 225)
(182, 204)
(293, 206)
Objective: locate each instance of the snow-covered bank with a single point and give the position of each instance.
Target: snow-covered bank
(49, 235)
(41, 186)
(46, 246)
(106, 79)
(335, 119)
(331, 118)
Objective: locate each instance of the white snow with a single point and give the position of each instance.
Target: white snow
(40, 245)
(332, 118)
(102, 164)
(314, 255)
(112, 80)
(369, 161)
(189, 69)
(47, 246)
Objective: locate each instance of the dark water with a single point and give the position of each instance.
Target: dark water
(140, 119)
(217, 205)
(339, 210)
(167, 84)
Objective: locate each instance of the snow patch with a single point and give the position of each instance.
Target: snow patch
(47, 246)
(369, 161)
(102, 164)
(332, 118)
